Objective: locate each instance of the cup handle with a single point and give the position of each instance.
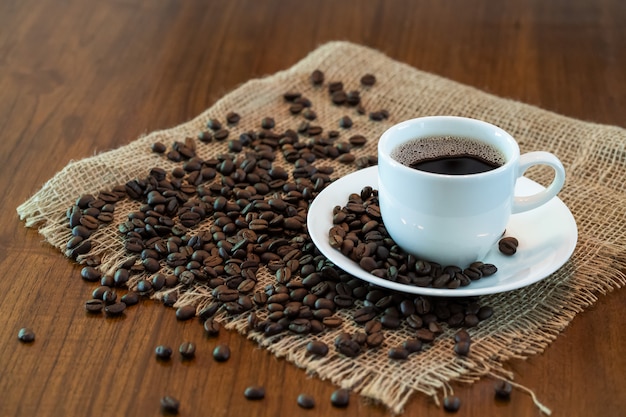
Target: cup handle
(525, 203)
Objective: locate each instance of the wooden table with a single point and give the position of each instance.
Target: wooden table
(80, 77)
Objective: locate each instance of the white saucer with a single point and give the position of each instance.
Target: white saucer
(547, 237)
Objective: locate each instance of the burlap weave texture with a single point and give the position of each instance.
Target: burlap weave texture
(525, 320)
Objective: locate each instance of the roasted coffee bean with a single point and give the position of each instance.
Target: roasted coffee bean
(398, 353)
(254, 392)
(221, 353)
(170, 404)
(317, 348)
(412, 345)
(143, 287)
(508, 245)
(345, 122)
(232, 118)
(268, 123)
(462, 348)
(94, 306)
(364, 314)
(332, 321)
(425, 335)
(451, 403)
(187, 350)
(340, 398)
(374, 339)
(373, 326)
(211, 327)
(503, 390)
(185, 312)
(462, 336)
(415, 321)
(26, 335)
(390, 321)
(163, 352)
(306, 401)
(317, 77)
(300, 326)
(90, 274)
(115, 309)
(368, 80)
(488, 269)
(484, 313)
(349, 347)
(131, 298)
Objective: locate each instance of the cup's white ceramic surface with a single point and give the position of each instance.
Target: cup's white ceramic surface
(455, 219)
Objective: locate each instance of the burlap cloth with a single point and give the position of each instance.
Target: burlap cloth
(525, 320)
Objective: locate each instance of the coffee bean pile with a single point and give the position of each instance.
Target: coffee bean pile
(217, 223)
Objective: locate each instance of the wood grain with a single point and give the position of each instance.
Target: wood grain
(80, 77)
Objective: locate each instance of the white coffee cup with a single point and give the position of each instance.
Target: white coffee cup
(455, 219)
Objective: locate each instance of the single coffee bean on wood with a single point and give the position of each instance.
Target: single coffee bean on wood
(221, 353)
(451, 403)
(503, 390)
(115, 309)
(187, 350)
(26, 335)
(340, 398)
(170, 404)
(254, 392)
(163, 352)
(306, 401)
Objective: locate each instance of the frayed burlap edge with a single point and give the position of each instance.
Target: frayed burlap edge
(527, 319)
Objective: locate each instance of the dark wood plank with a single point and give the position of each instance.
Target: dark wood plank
(83, 77)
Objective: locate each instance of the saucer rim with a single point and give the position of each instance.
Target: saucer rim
(361, 178)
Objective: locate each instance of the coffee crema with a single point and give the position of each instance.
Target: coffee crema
(450, 155)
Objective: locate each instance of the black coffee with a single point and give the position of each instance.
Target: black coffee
(449, 155)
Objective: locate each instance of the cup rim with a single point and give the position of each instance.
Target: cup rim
(387, 134)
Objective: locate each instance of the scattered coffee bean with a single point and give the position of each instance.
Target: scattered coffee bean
(163, 352)
(398, 353)
(170, 405)
(187, 350)
(345, 122)
(340, 398)
(211, 327)
(368, 80)
(254, 392)
(221, 353)
(26, 335)
(503, 390)
(306, 401)
(317, 77)
(185, 312)
(317, 348)
(462, 348)
(115, 309)
(508, 245)
(232, 118)
(94, 306)
(131, 298)
(451, 403)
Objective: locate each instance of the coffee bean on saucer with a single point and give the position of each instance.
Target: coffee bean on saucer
(26, 335)
(508, 245)
(340, 398)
